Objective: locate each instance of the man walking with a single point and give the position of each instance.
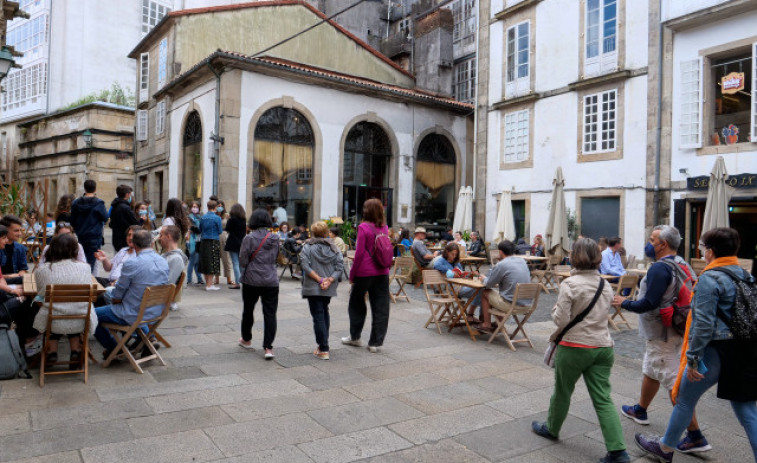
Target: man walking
(88, 216)
(122, 215)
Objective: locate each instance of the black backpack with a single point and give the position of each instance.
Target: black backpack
(743, 319)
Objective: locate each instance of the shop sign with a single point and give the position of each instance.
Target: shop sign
(732, 83)
(741, 181)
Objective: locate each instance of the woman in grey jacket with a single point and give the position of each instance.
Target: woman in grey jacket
(259, 281)
(322, 265)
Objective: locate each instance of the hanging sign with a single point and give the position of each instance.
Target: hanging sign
(732, 83)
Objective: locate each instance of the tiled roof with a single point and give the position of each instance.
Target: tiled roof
(348, 79)
(266, 3)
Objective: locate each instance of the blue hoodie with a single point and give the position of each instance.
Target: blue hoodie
(88, 215)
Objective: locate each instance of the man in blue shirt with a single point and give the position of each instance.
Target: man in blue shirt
(147, 268)
(611, 262)
(13, 255)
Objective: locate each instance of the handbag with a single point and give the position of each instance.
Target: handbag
(549, 354)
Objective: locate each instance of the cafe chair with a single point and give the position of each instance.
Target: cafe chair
(290, 261)
(66, 294)
(401, 273)
(154, 295)
(631, 261)
(524, 304)
(440, 300)
(746, 264)
(698, 265)
(629, 284)
(493, 256)
(545, 276)
(176, 298)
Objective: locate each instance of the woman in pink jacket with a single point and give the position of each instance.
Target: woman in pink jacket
(367, 275)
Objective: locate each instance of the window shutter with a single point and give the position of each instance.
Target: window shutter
(754, 92)
(142, 125)
(160, 116)
(690, 121)
(144, 76)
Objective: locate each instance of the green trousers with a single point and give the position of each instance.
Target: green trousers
(595, 366)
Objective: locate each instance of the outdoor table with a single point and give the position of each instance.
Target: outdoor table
(567, 275)
(462, 308)
(472, 262)
(642, 272)
(30, 285)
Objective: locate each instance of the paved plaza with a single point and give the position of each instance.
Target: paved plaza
(424, 397)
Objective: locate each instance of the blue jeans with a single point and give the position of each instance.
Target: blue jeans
(194, 266)
(319, 310)
(90, 245)
(235, 264)
(103, 336)
(689, 394)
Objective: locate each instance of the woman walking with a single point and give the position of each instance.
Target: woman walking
(257, 258)
(210, 246)
(712, 353)
(236, 228)
(368, 276)
(322, 266)
(585, 349)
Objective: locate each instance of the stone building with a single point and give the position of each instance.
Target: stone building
(318, 124)
(94, 141)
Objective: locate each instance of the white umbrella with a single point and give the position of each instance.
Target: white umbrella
(457, 223)
(558, 241)
(505, 226)
(467, 219)
(718, 196)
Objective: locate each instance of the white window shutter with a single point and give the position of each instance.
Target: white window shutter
(690, 119)
(142, 125)
(160, 116)
(754, 92)
(144, 76)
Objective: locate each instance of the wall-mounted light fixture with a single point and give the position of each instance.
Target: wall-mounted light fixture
(6, 61)
(87, 138)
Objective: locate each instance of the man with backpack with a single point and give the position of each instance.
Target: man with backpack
(658, 292)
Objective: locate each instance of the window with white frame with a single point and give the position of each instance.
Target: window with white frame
(599, 122)
(516, 136)
(465, 81)
(601, 37)
(27, 4)
(142, 125)
(25, 85)
(152, 13)
(464, 17)
(144, 76)
(29, 35)
(517, 74)
(160, 117)
(691, 104)
(162, 62)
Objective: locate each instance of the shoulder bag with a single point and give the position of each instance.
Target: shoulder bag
(549, 355)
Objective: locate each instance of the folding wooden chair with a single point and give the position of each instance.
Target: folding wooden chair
(154, 295)
(523, 292)
(631, 262)
(560, 269)
(62, 294)
(544, 277)
(401, 273)
(176, 298)
(493, 256)
(746, 264)
(291, 259)
(628, 282)
(441, 302)
(698, 265)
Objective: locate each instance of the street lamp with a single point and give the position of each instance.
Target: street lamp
(87, 138)
(6, 61)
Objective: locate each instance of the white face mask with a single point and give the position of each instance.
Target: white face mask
(195, 210)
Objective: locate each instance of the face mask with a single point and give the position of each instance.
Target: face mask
(142, 212)
(195, 210)
(129, 199)
(649, 251)
(220, 209)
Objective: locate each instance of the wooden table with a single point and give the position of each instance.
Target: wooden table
(642, 272)
(472, 262)
(462, 308)
(567, 275)
(30, 285)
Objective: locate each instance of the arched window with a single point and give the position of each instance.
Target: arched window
(435, 182)
(283, 164)
(367, 152)
(191, 176)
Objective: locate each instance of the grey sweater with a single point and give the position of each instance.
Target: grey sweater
(322, 256)
(260, 271)
(507, 274)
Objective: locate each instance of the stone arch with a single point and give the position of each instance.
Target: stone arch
(201, 153)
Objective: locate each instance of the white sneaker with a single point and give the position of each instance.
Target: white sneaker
(246, 344)
(351, 342)
(174, 306)
(372, 349)
(212, 288)
(269, 354)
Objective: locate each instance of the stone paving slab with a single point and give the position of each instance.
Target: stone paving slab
(354, 446)
(14, 423)
(283, 405)
(435, 427)
(284, 454)
(186, 420)
(63, 457)
(187, 385)
(192, 446)
(364, 415)
(444, 450)
(91, 413)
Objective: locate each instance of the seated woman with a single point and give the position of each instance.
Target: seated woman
(11, 299)
(62, 267)
(62, 228)
(114, 266)
(446, 264)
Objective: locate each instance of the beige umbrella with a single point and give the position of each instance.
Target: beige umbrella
(558, 241)
(718, 196)
(457, 222)
(467, 219)
(504, 228)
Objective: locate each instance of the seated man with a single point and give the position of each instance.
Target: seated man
(611, 259)
(177, 261)
(419, 250)
(522, 248)
(145, 269)
(508, 272)
(13, 258)
(476, 246)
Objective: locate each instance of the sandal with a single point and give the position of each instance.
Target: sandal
(75, 360)
(52, 357)
(485, 329)
(473, 320)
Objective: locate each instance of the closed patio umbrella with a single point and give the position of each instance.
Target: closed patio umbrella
(504, 228)
(467, 219)
(718, 196)
(557, 238)
(457, 222)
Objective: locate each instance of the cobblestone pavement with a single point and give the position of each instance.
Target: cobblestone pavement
(424, 397)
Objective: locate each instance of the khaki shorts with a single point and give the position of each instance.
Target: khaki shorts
(661, 360)
(497, 301)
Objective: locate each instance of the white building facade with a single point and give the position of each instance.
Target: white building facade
(567, 87)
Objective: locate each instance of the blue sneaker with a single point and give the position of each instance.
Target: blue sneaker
(688, 445)
(651, 446)
(540, 428)
(636, 413)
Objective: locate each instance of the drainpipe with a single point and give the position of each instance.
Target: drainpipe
(658, 129)
(217, 140)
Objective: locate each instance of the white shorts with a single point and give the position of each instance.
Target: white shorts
(661, 361)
